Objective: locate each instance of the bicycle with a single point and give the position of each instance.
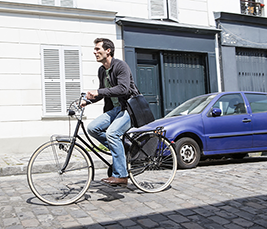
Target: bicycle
(60, 171)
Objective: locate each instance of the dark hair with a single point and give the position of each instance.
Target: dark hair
(107, 44)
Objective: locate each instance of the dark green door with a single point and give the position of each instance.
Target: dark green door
(148, 85)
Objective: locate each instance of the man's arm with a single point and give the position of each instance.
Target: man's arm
(122, 73)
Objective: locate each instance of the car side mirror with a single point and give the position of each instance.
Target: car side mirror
(216, 112)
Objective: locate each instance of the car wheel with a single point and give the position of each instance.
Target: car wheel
(188, 153)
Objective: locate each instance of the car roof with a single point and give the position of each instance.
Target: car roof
(232, 92)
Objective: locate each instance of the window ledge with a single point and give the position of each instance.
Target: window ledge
(56, 11)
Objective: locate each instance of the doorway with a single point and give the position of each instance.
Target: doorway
(148, 81)
(184, 78)
(167, 79)
(148, 84)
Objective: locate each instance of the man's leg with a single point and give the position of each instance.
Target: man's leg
(97, 128)
(113, 134)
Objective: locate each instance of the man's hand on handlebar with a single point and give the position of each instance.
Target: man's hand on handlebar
(87, 97)
(83, 103)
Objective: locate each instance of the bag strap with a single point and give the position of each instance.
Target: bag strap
(134, 93)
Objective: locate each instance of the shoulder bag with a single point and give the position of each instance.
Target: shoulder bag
(139, 110)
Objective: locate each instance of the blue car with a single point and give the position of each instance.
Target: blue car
(226, 123)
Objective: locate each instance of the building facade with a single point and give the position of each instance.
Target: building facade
(176, 49)
(243, 52)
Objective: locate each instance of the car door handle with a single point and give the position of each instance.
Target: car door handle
(246, 120)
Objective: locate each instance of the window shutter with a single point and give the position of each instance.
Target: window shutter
(72, 75)
(61, 78)
(52, 80)
(48, 2)
(158, 9)
(66, 3)
(63, 3)
(164, 9)
(173, 10)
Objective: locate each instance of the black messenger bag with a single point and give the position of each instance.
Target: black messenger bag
(139, 111)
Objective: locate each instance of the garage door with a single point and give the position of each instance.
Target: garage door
(184, 78)
(251, 69)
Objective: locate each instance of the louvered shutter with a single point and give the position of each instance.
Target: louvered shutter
(72, 75)
(163, 9)
(51, 71)
(158, 9)
(66, 3)
(173, 10)
(48, 2)
(63, 3)
(61, 78)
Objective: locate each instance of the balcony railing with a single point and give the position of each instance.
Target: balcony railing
(251, 8)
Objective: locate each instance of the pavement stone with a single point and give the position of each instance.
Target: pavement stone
(227, 194)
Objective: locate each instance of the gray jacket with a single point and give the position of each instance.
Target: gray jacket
(121, 81)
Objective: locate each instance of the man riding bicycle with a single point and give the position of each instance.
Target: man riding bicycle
(115, 85)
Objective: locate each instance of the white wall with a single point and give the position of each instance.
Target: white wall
(194, 12)
(130, 8)
(230, 6)
(21, 36)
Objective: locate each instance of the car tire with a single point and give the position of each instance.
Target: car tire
(188, 153)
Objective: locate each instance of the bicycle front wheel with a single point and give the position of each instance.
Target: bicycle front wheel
(152, 162)
(51, 185)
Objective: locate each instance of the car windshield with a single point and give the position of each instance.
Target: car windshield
(192, 106)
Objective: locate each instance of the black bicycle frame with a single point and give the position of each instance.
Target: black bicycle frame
(92, 147)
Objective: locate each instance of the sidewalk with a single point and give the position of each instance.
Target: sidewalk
(16, 164)
(12, 164)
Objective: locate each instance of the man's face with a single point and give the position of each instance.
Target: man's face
(101, 54)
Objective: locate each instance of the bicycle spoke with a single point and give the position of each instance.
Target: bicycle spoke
(51, 185)
(153, 165)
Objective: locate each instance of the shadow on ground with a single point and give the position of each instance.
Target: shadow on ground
(237, 213)
(229, 160)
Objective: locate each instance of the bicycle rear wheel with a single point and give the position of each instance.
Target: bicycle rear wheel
(152, 162)
(46, 180)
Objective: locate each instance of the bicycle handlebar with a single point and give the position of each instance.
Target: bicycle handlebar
(83, 97)
(75, 106)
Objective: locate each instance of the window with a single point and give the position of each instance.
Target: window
(231, 104)
(192, 106)
(252, 7)
(163, 9)
(63, 3)
(258, 102)
(61, 72)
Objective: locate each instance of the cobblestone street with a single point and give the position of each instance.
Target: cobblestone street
(225, 194)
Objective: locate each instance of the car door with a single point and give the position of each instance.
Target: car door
(230, 130)
(258, 106)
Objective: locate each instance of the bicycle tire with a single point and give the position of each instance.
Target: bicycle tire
(151, 162)
(45, 179)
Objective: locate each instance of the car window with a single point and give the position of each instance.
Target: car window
(258, 102)
(192, 106)
(231, 104)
